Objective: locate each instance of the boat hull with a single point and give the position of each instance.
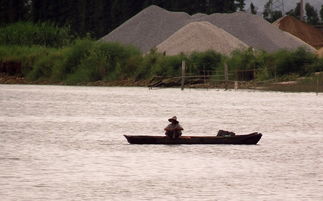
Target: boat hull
(249, 139)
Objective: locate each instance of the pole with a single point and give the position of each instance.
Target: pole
(302, 10)
(317, 85)
(226, 77)
(236, 85)
(183, 75)
(317, 82)
(275, 72)
(204, 78)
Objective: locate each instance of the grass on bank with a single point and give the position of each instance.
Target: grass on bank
(312, 83)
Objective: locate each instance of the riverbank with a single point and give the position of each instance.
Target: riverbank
(305, 84)
(6, 79)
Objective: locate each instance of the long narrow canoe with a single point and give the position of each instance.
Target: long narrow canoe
(252, 138)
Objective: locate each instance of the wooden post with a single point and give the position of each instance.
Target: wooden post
(317, 85)
(275, 72)
(183, 75)
(235, 85)
(317, 82)
(226, 76)
(204, 77)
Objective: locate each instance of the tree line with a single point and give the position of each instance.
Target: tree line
(99, 17)
(312, 15)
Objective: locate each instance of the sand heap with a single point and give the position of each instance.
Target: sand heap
(153, 25)
(255, 31)
(320, 52)
(300, 29)
(199, 37)
(148, 28)
(306, 45)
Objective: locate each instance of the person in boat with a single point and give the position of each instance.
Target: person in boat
(174, 129)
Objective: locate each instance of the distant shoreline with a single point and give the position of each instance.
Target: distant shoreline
(283, 86)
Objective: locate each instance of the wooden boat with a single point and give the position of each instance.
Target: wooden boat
(248, 139)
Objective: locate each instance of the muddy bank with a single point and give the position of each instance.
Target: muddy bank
(156, 82)
(299, 85)
(7, 79)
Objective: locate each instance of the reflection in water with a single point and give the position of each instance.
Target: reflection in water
(66, 143)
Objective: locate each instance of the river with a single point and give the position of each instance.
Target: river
(66, 143)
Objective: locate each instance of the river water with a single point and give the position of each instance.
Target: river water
(66, 143)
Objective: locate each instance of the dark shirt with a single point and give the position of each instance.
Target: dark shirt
(173, 130)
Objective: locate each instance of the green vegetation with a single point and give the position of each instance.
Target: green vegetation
(86, 61)
(25, 55)
(28, 34)
(59, 59)
(304, 84)
(299, 62)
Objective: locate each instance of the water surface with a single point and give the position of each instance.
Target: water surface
(66, 143)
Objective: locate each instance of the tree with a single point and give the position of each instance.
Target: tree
(321, 13)
(296, 12)
(220, 6)
(253, 9)
(197, 6)
(240, 4)
(276, 15)
(267, 10)
(13, 11)
(270, 14)
(311, 13)
(99, 17)
(83, 16)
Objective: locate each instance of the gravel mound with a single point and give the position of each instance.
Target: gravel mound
(199, 37)
(300, 29)
(306, 45)
(255, 31)
(320, 52)
(153, 25)
(148, 28)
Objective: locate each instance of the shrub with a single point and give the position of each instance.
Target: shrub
(88, 61)
(43, 67)
(27, 56)
(148, 62)
(205, 61)
(122, 61)
(317, 66)
(168, 66)
(296, 61)
(246, 59)
(29, 34)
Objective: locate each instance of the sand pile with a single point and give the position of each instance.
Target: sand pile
(199, 37)
(320, 52)
(148, 28)
(255, 31)
(304, 31)
(153, 25)
(308, 46)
